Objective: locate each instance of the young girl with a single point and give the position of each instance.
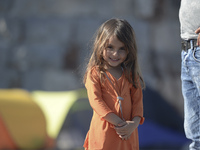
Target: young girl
(114, 86)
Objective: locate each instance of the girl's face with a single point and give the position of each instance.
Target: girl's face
(114, 53)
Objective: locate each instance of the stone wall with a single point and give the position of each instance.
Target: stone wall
(44, 43)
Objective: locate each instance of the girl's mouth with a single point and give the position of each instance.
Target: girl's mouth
(114, 59)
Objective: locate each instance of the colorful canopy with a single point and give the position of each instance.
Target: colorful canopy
(22, 118)
(56, 106)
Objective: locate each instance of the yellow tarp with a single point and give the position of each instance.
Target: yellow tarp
(23, 118)
(55, 106)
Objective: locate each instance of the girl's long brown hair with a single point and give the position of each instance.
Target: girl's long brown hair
(125, 33)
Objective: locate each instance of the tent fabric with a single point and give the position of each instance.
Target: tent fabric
(33, 120)
(6, 142)
(56, 106)
(23, 118)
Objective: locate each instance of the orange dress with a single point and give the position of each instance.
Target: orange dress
(103, 100)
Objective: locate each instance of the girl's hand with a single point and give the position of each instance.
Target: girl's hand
(198, 39)
(121, 124)
(125, 130)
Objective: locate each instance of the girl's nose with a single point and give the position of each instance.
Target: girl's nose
(115, 53)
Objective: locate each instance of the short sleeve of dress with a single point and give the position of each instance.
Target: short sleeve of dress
(93, 86)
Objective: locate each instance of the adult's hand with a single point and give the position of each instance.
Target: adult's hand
(198, 38)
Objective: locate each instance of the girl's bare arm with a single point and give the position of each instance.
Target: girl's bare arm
(114, 119)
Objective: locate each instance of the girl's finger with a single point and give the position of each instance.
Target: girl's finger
(121, 133)
(121, 124)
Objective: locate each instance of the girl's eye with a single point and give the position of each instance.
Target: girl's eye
(109, 47)
(122, 49)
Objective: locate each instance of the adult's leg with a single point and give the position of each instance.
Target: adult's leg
(190, 76)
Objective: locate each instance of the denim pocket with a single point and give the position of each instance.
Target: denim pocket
(196, 54)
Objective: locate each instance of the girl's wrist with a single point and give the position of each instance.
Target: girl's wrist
(121, 123)
(136, 120)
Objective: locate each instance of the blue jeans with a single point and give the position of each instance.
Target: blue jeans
(190, 76)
